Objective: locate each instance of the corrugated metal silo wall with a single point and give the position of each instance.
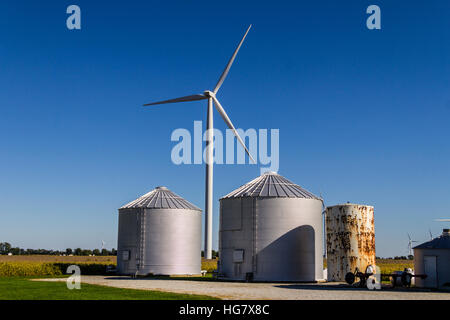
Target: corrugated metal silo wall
(236, 232)
(127, 240)
(161, 241)
(350, 231)
(172, 241)
(281, 238)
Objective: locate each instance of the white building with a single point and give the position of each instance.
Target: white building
(433, 259)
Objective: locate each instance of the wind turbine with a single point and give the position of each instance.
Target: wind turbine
(210, 96)
(442, 220)
(410, 242)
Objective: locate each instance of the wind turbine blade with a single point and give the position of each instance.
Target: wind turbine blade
(194, 97)
(227, 68)
(442, 220)
(227, 120)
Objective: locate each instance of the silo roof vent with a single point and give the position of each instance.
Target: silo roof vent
(160, 198)
(271, 184)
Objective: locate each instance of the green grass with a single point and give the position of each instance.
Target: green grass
(19, 288)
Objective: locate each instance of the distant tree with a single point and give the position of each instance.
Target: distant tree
(86, 252)
(5, 247)
(410, 257)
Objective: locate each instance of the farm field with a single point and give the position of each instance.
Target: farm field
(386, 265)
(390, 265)
(61, 259)
(30, 265)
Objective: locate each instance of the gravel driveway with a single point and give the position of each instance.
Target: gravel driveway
(255, 291)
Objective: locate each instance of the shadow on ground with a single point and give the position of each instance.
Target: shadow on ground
(162, 278)
(282, 285)
(347, 287)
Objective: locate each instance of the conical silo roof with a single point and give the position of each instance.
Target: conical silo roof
(271, 184)
(160, 198)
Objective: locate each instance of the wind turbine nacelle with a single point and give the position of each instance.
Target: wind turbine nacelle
(209, 94)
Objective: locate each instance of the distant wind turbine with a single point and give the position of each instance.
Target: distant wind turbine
(410, 243)
(211, 97)
(103, 244)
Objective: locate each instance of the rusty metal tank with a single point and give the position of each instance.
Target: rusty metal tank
(350, 232)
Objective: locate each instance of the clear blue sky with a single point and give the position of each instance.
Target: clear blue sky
(363, 115)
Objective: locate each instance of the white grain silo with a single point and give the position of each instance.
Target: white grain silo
(350, 240)
(271, 230)
(433, 259)
(159, 233)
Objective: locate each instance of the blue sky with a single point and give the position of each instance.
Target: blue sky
(363, 114)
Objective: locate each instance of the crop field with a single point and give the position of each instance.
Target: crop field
(47, 261)
(62, 259)
(386, 265)
(41, 265)
(390, 265)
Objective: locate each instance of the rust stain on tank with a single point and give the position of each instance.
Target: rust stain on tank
(350, 240)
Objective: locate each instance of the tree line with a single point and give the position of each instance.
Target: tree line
(409, 257)
(214, 253)
(6, 248)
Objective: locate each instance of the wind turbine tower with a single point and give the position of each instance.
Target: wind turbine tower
(211, 98)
